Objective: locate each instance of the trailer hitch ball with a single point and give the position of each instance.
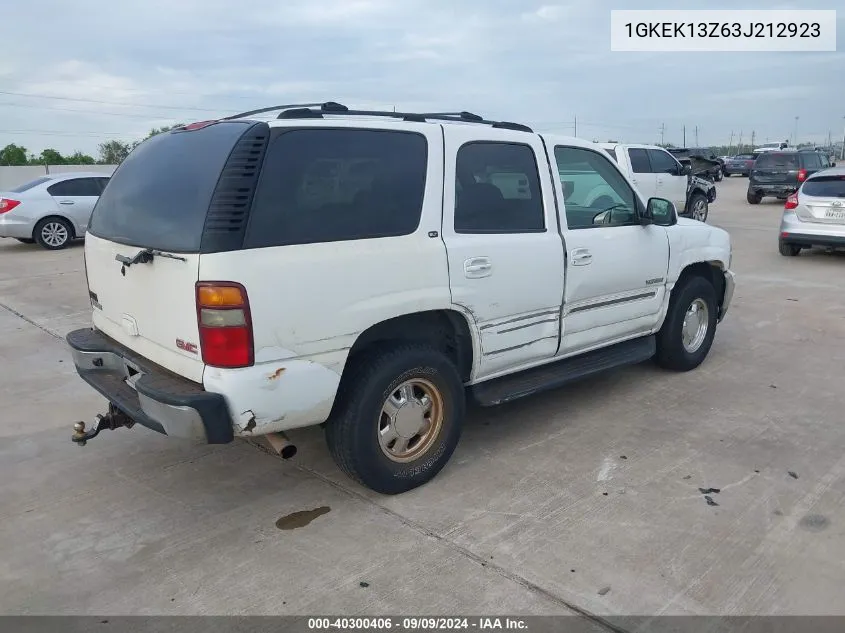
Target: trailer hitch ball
(79, 433)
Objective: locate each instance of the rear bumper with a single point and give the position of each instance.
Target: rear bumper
(147, 393)
(11, 226)
(800, 233)
(773, 190)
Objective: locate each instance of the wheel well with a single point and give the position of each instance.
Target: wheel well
(711, 271)
(56, 217)
(446, 330)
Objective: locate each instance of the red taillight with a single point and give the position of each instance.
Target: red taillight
(225, 324)
(791, 201)
(7, 204)
(802, 175)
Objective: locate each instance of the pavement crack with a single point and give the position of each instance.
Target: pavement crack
(31, 322)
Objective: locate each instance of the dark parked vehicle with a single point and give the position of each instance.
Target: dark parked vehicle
(740, 164)
(778, 174)
(702, 160)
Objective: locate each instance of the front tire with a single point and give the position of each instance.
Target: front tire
(397, 418)
(698, 207)
(687, 333)
(718, 176)
(788, 250)
(53, 233)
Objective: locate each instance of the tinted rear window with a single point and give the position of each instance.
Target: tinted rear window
(777, 159)
(30, 185)
(159, 196)
(825, 187)
(328, 185)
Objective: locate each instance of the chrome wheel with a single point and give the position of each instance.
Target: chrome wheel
(694, 330)
(410, 421)
(54, 234)
(699, 210)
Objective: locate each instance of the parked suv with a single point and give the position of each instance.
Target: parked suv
(779, 173)
(372, 271)
(740, 164)
(815, 214)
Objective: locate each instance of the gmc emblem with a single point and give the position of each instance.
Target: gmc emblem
(188, 347)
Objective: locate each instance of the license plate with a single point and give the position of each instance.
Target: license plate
(830, 214)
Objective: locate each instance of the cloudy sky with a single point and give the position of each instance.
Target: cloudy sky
(76, 73)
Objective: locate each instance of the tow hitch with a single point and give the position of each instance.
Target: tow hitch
(114, 419)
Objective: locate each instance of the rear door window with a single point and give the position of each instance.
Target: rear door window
(85, 187)
(160, 194)
(825, 187)
(812, 161)
(777, 160)
(639, 161)
(329, 185)
(662, 162)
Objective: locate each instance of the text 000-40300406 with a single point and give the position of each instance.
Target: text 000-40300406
(729, 31)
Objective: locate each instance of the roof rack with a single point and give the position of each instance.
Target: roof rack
(317, 110)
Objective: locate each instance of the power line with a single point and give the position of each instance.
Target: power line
(147, 117)
(118, 103)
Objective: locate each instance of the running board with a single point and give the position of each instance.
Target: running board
(553, 375)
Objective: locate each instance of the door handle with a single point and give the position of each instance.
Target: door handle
(66, 202)
(581, 257)
(476, 267)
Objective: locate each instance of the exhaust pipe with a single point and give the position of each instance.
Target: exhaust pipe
(280, 443)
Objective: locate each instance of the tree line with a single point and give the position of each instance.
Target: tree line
(109, 153)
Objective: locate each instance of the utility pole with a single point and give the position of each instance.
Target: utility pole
(843, 145)
(731, 144)
(662, 133)
(685, 136)
(753, 134)
(739, 143)
(829, 141)
(575, 125)
(696, 136)
(795, 134)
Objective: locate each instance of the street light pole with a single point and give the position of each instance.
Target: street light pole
(795, 134)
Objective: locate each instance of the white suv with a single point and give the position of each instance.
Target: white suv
(372, 270)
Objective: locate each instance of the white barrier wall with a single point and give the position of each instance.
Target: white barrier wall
(11, 177)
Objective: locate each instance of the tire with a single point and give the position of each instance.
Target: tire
(25, 240)
(696, 294)
(698, 207)
(753, 198)
(355, 427)
(718, 176)
(53, 233)
(788, 250)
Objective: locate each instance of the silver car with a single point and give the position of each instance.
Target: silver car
(51, 210)
(815, 214)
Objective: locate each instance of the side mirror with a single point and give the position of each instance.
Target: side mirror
(661, 212)
(686, 170)
(833, 164)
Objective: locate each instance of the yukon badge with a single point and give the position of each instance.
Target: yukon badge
(188, 347)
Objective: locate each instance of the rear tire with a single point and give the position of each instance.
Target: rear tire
(753, 197)
(397, 418)
(687, 333)
(53, 233)
(25, 240)
(718, 176)
(788, 250)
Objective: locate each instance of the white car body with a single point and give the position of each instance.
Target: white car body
(525, 299)
(665, 177)
(54, 196)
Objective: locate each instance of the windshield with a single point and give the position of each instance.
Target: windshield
(30, 184)
(825, 187)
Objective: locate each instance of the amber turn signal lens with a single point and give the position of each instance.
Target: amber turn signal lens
(219, 296)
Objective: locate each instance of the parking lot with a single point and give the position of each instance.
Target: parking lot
(581, 500)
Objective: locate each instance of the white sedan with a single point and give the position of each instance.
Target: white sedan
(51, 210)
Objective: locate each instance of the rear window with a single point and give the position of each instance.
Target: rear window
(159, 196)
(30, 185)
(328, 185)
(777, 159)
(825, 187)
